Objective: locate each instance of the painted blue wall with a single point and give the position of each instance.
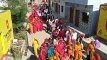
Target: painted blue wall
(95, 21)
(96, 5)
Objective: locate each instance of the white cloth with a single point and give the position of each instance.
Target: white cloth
(39, 13)
(82, 45)
(56, 20)
(46, 10)
(74, 36)
(50, 22)
(55, 42)
(67, 33)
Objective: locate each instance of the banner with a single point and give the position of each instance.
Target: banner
(6, 32)
(1, 47)
(102, 23)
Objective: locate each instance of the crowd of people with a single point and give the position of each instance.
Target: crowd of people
(64, 44)
(35, 21)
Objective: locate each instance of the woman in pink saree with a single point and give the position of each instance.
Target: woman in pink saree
(43, 52)
(61, 47)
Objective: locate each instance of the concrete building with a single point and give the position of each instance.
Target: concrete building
(82, 14)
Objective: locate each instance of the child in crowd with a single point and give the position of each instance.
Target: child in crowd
(36, 47)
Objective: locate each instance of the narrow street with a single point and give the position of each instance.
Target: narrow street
(60, 30)
(42, 35)
(38, 35)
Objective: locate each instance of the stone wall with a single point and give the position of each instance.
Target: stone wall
(84, 27)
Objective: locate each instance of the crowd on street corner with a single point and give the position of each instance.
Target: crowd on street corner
(64, 44)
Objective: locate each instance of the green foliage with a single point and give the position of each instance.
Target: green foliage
(19, 10)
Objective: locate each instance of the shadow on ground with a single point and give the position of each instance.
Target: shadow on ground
(32, 57)
(31, 49)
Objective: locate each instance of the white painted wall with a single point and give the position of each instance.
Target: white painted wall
(96, 3)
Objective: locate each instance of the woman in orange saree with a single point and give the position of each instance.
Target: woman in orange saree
(78, 51)
(56, 56)
(91, 49)
(70, 51)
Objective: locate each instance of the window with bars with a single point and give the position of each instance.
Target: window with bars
(85, 17)
(61, 8)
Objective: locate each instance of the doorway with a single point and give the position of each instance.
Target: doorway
(71, 15)
(77, 16)
(59, 9)
(56, 7)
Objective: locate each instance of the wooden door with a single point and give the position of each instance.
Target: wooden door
(77, 15)
(55, 7)
(59, 9)
(71, 14)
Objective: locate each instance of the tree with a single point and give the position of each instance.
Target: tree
(19, 10)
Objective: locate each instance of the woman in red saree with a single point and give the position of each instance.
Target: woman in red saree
(97, 56)
(38, 21)
(40, 24)
(62, 33)
(31, 20)
(35, 25)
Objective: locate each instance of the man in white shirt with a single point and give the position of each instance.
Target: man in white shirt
(74, 36)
